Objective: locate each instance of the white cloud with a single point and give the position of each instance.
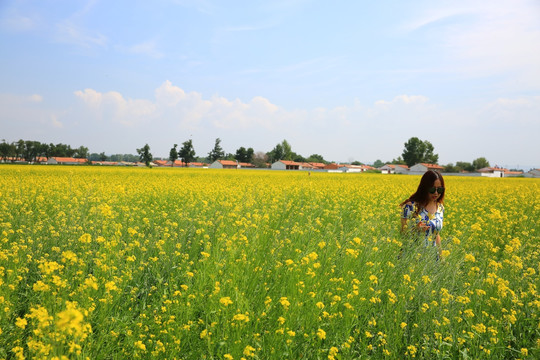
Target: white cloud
(112, 105)
(18, 23)
(479, 39)
(68, 32)
(503, 130)
(55, 123)
(148, 48)
(403, 99)
(35, 98)
(521, 111)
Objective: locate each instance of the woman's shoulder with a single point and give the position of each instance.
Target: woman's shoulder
(408, 203)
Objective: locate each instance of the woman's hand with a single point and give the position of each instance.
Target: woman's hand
(423, 226)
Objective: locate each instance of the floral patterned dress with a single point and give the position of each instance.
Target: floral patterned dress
(416, 214)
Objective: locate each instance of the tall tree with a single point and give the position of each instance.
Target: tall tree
(102, 156)
(282, 151)
(287, 151)
(145, 155)
(316, 158)
(173, 154)
(429, 156)
(20, 148)
(187, 152)
(298, 158)
(480, 163)
(463, 165)
(244, 155)
(7, 150)
(450, 168)
(30, 150)
(418, 151)
(81, 152)
(240, 154)
(217, 152)
(249, 155)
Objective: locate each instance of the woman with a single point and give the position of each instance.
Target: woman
(423, 211)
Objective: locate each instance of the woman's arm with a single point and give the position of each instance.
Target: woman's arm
(403, 224)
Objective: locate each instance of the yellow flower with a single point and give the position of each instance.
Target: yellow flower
(91, 282)
(470, 258)
(40, 286)
(139, 345)
(241, 317)
(249, 351)
(19, 352)
(225, 301)
(411, 350)
(321, 334)
(40, 314)
(85, 238)
(21, 322)
(228, 357)
(110, 286)
(332, 352)
(479, 328)
(71, 322)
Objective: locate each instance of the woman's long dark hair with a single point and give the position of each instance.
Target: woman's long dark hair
(421, 196)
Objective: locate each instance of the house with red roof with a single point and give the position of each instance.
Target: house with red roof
(421, 168)
(394, 169)
(197, 164)
(245, 165)
(66, 161)
(498, 172)
(286, 165)
(224, 164)
(317, 166)
(162, 162)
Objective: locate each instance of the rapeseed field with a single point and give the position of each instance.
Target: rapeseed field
(112, 263)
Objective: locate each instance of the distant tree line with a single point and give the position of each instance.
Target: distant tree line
(31, 151)
(415, 151)
(281, 151)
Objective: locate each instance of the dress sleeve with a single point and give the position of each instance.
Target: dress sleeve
(407, 211)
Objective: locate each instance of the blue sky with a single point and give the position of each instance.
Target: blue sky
(350, 80)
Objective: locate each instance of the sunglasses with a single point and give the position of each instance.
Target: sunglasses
(434, 189)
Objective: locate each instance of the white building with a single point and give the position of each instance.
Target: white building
(286, 165)
(388, 169)
(224, 164)
(534, 173)
(493, 171)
